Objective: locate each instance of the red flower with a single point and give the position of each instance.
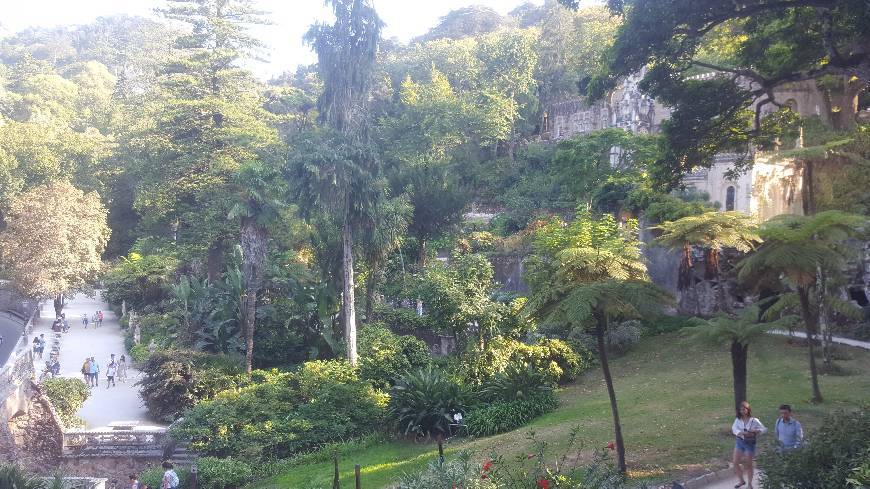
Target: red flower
(484, 476)
(487, 466)
(611, 446)
(543, 484)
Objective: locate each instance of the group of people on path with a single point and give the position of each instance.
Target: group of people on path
(746, 429)
(170, 479)
(91, 371)
(96, 320)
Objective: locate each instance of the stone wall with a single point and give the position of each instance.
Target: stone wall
(110, 468)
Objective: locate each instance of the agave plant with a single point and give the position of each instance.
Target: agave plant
(424, 402)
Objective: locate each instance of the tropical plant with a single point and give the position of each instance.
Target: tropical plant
(423, 402)
(585, 274)
(713, 231)
(345, 182)
(14, 477)
(506, 415)
(517, 382)
(795, 250)
(738, 333)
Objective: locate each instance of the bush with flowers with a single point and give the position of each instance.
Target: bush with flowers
(538, 469)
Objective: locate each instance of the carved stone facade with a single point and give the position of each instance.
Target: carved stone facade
(773, 185)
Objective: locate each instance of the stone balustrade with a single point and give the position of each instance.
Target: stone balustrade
(136, 442)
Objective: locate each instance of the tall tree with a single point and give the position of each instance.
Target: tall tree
(53, 240)
(713, 231)
(210, 154)
(795, 249)
(346, 54)
(585, 274)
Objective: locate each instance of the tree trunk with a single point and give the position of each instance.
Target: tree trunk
(601, 327)
(810, 325)
(215, 261)
(371, 285)
(421, 263)
(439, 438)
(254, 242)
(347, 306)
(58, 305)
(738, 367)
(808, 197)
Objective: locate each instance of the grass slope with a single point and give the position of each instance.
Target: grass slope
(675, 401)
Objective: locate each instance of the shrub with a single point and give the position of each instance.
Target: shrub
(459, 472)
(503, 416)
(154, 476)
(176, 380)
(623, 336)
(516, 383)
(402, 321)
(279, 414)
(554, 358)
(385, 356)
(67, 396)
(139, 280)
(424, 401)
(139, 353)
(827, 459)
(223, 473)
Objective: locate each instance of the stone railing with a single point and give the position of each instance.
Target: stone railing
(136, 442)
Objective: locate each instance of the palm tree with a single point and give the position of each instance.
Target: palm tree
(259, 189)
(738, 333)
(795, 250)
(346, 54)
(424, 402)
(586, 275)
(713, 231)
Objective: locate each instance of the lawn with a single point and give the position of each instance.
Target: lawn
(675, 401)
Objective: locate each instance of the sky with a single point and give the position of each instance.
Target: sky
(404, 20)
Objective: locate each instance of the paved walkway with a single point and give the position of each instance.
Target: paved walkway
(121, 403)
(836, 339)
(730, 481)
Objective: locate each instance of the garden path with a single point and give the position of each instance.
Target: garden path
(105, 405)
(836, 339)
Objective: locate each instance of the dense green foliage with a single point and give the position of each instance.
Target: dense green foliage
(424, 402)
(174, 381)
(552, 358)
(67, 395)
(502, 416)
(277, 414)
(385, 356)
(828, 458)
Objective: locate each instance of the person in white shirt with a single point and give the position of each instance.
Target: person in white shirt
(746, 430)
(170, 478)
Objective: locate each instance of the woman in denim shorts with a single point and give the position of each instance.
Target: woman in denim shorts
(746, 430)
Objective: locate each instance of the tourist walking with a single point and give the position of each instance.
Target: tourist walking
(86, 371)
(134, 482)
(85, 320)
(122, 369)
(110, 374)
(94, 320)
(746, 430)
(100, 318)
(37, 347)
(170, 478)
(789, 433)
(95, 373)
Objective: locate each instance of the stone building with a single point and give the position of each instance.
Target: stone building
(771, 187)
